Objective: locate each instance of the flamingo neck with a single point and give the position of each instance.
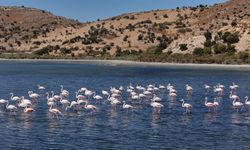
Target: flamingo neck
(11, 95)
(7, 104)
(47, 95)
(52, 92)
(246, 99)
(183, 103)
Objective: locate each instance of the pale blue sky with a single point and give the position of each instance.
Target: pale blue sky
(90, 10)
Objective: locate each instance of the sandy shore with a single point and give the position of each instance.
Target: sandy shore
(143, 64)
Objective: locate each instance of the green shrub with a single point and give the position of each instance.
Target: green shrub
(198, 51)
(183, 47)
(230, 38)
(220, 48)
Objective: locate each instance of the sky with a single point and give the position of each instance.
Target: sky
(91, 10)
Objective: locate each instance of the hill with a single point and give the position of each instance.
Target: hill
(202, 30)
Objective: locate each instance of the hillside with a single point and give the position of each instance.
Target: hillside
(214, 29)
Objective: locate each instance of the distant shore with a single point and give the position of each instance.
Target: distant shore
(245, 67)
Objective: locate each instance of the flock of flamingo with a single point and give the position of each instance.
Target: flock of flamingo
(85, 98)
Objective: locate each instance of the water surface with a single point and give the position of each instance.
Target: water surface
(110, 128)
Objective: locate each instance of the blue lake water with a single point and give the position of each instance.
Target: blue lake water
(110, 128)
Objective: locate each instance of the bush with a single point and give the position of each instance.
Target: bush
(165, 16)
(231, 49)
(230, 38)
(220, 48)
(43, 51)
(198, 51)
(140, 37)
(183, 47)
(65, 51)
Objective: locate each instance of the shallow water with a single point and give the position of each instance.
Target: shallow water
(110, 128)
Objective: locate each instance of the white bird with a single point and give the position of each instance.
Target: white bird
(97, 97)
(216, 103)
(90, 107)
(156, 105)
(135, 97)
(187, 106)
(88, 93)
(11, 107)
(161, 86)
(189, 88)
(28, 110)
(237, 105)
(126, 106)
(57, 97)
(64, 102)
(3, 101)
(64, 91)
(233, 96)
(72, 104)
(246, 101)
(207, 87)
(79, 96)
(172, 94)
(156, 98)
(105, 93)
(54, 111)
(209, 105)
(14, 98)
(33, 95)
(40, 87)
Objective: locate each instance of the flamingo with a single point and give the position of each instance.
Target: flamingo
(72, 104)
(11, 108)
(237, 105)
(114, 101)
(187, 106)
(169, 86)
(207, 87)
(90, 107)
(156, 98)
(189, 89)
(156, 105)
(52, 99)
(135, 97)
(33, 95)
(247, 102)
(209, 105)
(233, 96)
(64, 93)
(233, 87)
(57, 97)
(40, 87)
(55, 111)
(64, 102)
(14, 98)
(28, 110)
(216, 104)
(2, 102)
(172, 94)
(88, 93)
(79, 96)
(126, 106)
(25, 101)
(141, 95)
(105, 93)
(161, 86)
(97, 97)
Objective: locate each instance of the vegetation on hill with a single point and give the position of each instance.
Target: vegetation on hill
(201, 34)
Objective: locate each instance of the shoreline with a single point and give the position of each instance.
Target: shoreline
(143, 64)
